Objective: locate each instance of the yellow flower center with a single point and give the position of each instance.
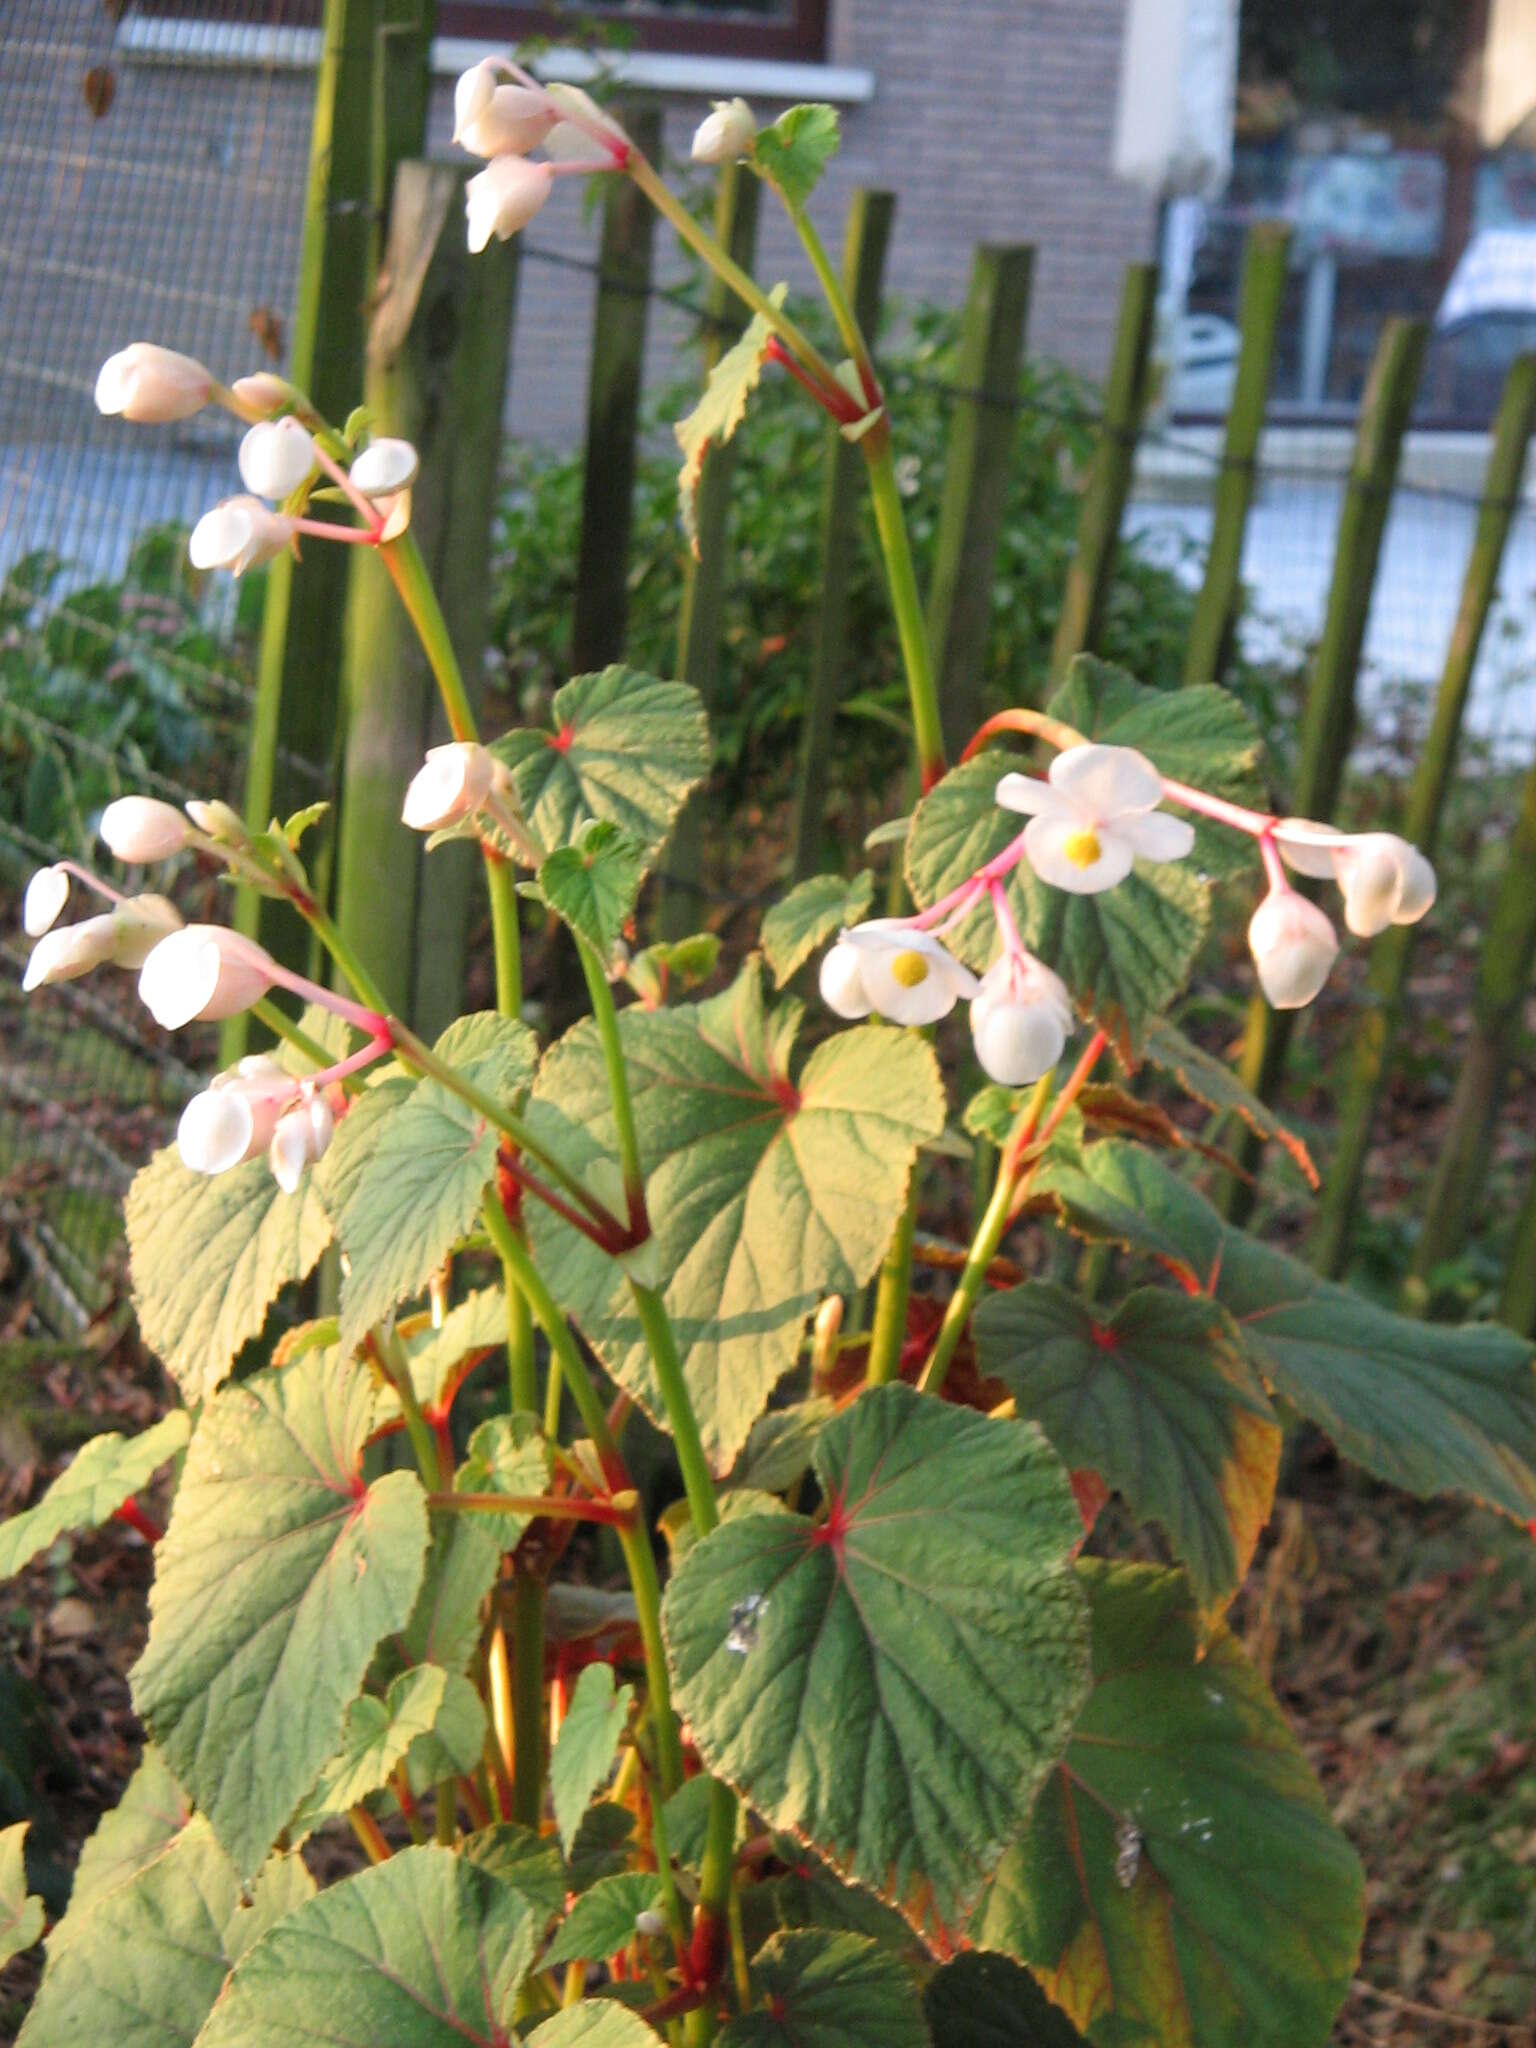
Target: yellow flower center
(1082, 848)
(910, 969)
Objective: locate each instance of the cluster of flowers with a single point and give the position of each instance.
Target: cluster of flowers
(1095, 814)
(282, 458)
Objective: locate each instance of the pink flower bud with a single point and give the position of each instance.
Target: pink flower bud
(453, 783)
(1293, 947)
(121, 937)
(263, 395)
(234, 1119)
(1020, 1018)
(385, 467)
(146, 383)
(300, 1138)
(510, 122)
(240, 534)
(505, 197)
(276, 456)
(141, 828)
(204, 971)
(726, 134)
(43, 904)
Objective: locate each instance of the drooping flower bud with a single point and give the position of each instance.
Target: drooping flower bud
(1293, 946)
(276, 456)
(138, 829)
(299, 1140)
(510, 122)
(472, 93)
(454, 781)
(384, 467)
(121, 937)
(204, 971)
(240, 534)
(147, 383)
(724, 135)
(263, 395)
(504, 197)
(43, 904)
(1020, 1019)
(234, 1119)
(1385, 880)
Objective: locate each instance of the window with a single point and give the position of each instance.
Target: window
(727, 28)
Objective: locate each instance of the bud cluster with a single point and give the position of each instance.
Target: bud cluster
(501, 113)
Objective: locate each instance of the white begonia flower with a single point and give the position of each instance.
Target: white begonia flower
(1293, 947)
(579, 114)
(43, 904)
(234, 1118)
(504, 197)
(907, 975)
(121, 937)
(724, 135)
(842, 981)
(240, 534)
(452, 783)
(1385, 880)
(509, 121)
(137, 829)
(1021, 1017)
(151, 384)
(1093, 816)
(384, 467)
(276, 456)
(205, 971)
(299, 1140)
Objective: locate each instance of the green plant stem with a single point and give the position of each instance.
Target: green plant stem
(670, 1902)
(906, 604)
(837, 299)
(402, 558)
(391, 1355)
(640, 1562)
(890, 1324)
(446, 1818)
(605, 1012)
(527, 1697)
(265, 1011)
(730, 272)
(546, 1313)
(698, 1480)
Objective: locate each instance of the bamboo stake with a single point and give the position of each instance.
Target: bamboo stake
(1109, 477)
(1209, 646)
(1392, 953)
(1329, 717)
(976, 482)
(865, 242)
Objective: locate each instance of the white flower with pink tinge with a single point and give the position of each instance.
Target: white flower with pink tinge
(889, 967)
(1384, 879)
(1021, 1018)
(1293, 947)
(1093, 816)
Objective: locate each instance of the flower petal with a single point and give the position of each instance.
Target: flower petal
(1157, 835)
(1310, 848)
(1032, 794)
(1102, 782)
(1045, 843)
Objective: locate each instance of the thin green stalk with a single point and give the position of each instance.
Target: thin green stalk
(670, 1902)
(640, 1562)
(546, 1312)
(265, 1011)
(505, 935)
(832, 285)
(527, 1698)
(890, 1325)
(698, 1480)
(391, 1354)
(605, 1012)
(402, 558)
(906, 604)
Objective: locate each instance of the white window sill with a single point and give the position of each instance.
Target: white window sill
(224, 43)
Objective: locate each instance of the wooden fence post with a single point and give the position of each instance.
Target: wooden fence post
(601, 609)
(438, 350)
(976, 463)
(1329, 717)
(1517, 1303)
(1387, 974)
(865, 241)
(705, 576)
(1109, 475)
(1209, 646)
(1504, 967)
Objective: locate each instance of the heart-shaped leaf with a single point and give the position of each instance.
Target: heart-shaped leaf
(988, 2001)
(797, 1646)
(146, 1820)
(586, 1746)
(428, 1948)
(794, 152)
(1431, 1409)
(625, 746)
(594, 2023)
(1180, 1880)
(829, 1991)
(280, 1572)
(378, 1734)
(770, 1184)
(210, 1256)
(92, 1487)
(602, 1921)
(593, 885)
(1159, 1399)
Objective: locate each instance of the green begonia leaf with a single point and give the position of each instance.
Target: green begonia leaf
(1432, 1409)
(279, 1574)
(378, 1734)
(594, 2023)
(721, 410)
(1124, 953)
(829, 1991)
(146, 1820)
(507, 1455)
(811, 1895)
(527, 1861)
(602, 1921)
(672, 967)
(770, 1184)
(462, 1564)
(625, 746)
(794, 152)
(594, 885)
(1180, 1881)
(21, 1912)
(209, 1256)
(143, 1965)
(779, 1446)
(92, 1487)
(687, 1815)
(585, 1748)
(603, 1845)
(797, 1646)
(1212, 1081)
(455, 1743)
(812, 913)
(1159, 1399)
(351, 1150)
(1199, 735)
(443, 1358)
(428, 1164)
(988, 2001)
(428, 1949)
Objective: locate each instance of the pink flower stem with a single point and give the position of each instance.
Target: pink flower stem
(581, 167)
(333, 469)
(1274, 867)
(376, 1026)
(83, 874)
(353, 536)
(961, 899)
(1013, 944)
(1255, 823)
(354, 1063)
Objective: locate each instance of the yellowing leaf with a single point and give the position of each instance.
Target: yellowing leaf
(721, 409)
